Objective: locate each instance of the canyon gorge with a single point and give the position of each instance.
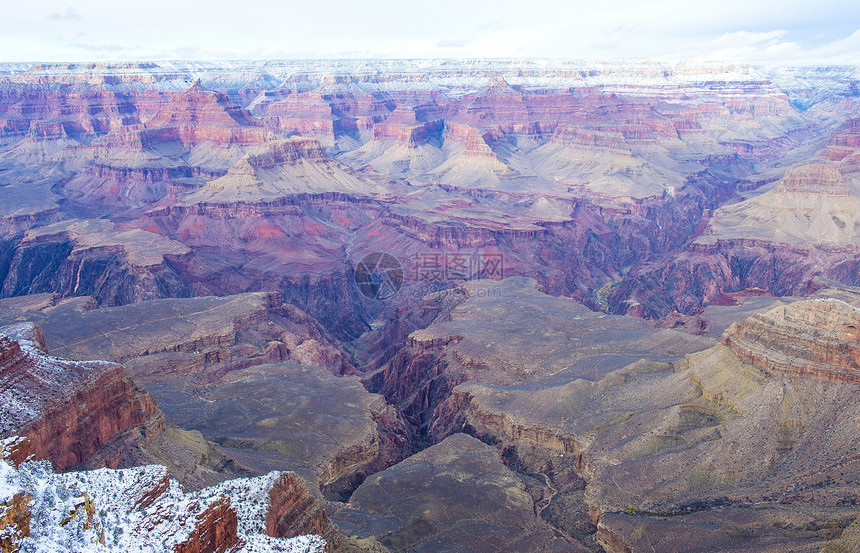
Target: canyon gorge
(618, 309)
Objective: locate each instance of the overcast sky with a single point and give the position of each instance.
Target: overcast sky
(763, 32)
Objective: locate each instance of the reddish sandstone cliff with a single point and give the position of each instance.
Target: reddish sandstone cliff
(215, 530)
(71, 412)
(293, 511)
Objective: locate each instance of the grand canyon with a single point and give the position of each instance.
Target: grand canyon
(429, 306)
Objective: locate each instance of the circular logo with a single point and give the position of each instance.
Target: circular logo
(379, 276)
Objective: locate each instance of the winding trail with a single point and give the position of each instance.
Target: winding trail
(549, 492)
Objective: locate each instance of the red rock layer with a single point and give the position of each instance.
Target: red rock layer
(293, 511)
(71, 412)
(48, 114)
(215, 530)
(16, 451)
(813, 178)
(844, 142)
(817, 338)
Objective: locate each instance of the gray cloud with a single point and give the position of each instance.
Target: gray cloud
(69, 15)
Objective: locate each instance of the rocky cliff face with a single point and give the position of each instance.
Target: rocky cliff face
(215, 530)
(229, 368)
(632, 452)
(844, 142)
(72, 412)
(79, 258)
(816, 338)
(142, 509)
(813, 178)
(293, 511)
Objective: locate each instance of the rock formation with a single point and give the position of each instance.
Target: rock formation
(219, 366)
(281, 169)
(456, 494)
(813, 178)
(293, 511)
(817, 338)
(93, 257)
(491, 337)
(142, 509)
(71, 411)
(193, 337)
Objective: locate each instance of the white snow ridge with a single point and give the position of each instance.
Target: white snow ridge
(139, 509)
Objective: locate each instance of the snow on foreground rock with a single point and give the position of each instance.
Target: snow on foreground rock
(137, 509)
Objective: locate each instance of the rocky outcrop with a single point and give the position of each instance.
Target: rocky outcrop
(143, 509)
(813, 178)
(281, 169)
(455, 495)
(215, 530)
(15, 521)
(293, 511)
(79, 258)
(816, 338)
(207, 337)
(72, 412)
(279, 427)
(844, 142)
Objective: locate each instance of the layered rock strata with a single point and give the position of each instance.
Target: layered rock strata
(71, 411)
(248, 372)
(816, 338)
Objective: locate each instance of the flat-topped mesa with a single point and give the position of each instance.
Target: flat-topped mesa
(406, 127)
(814, 338)
(306, 114)
(198, 115)
(813, 178)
